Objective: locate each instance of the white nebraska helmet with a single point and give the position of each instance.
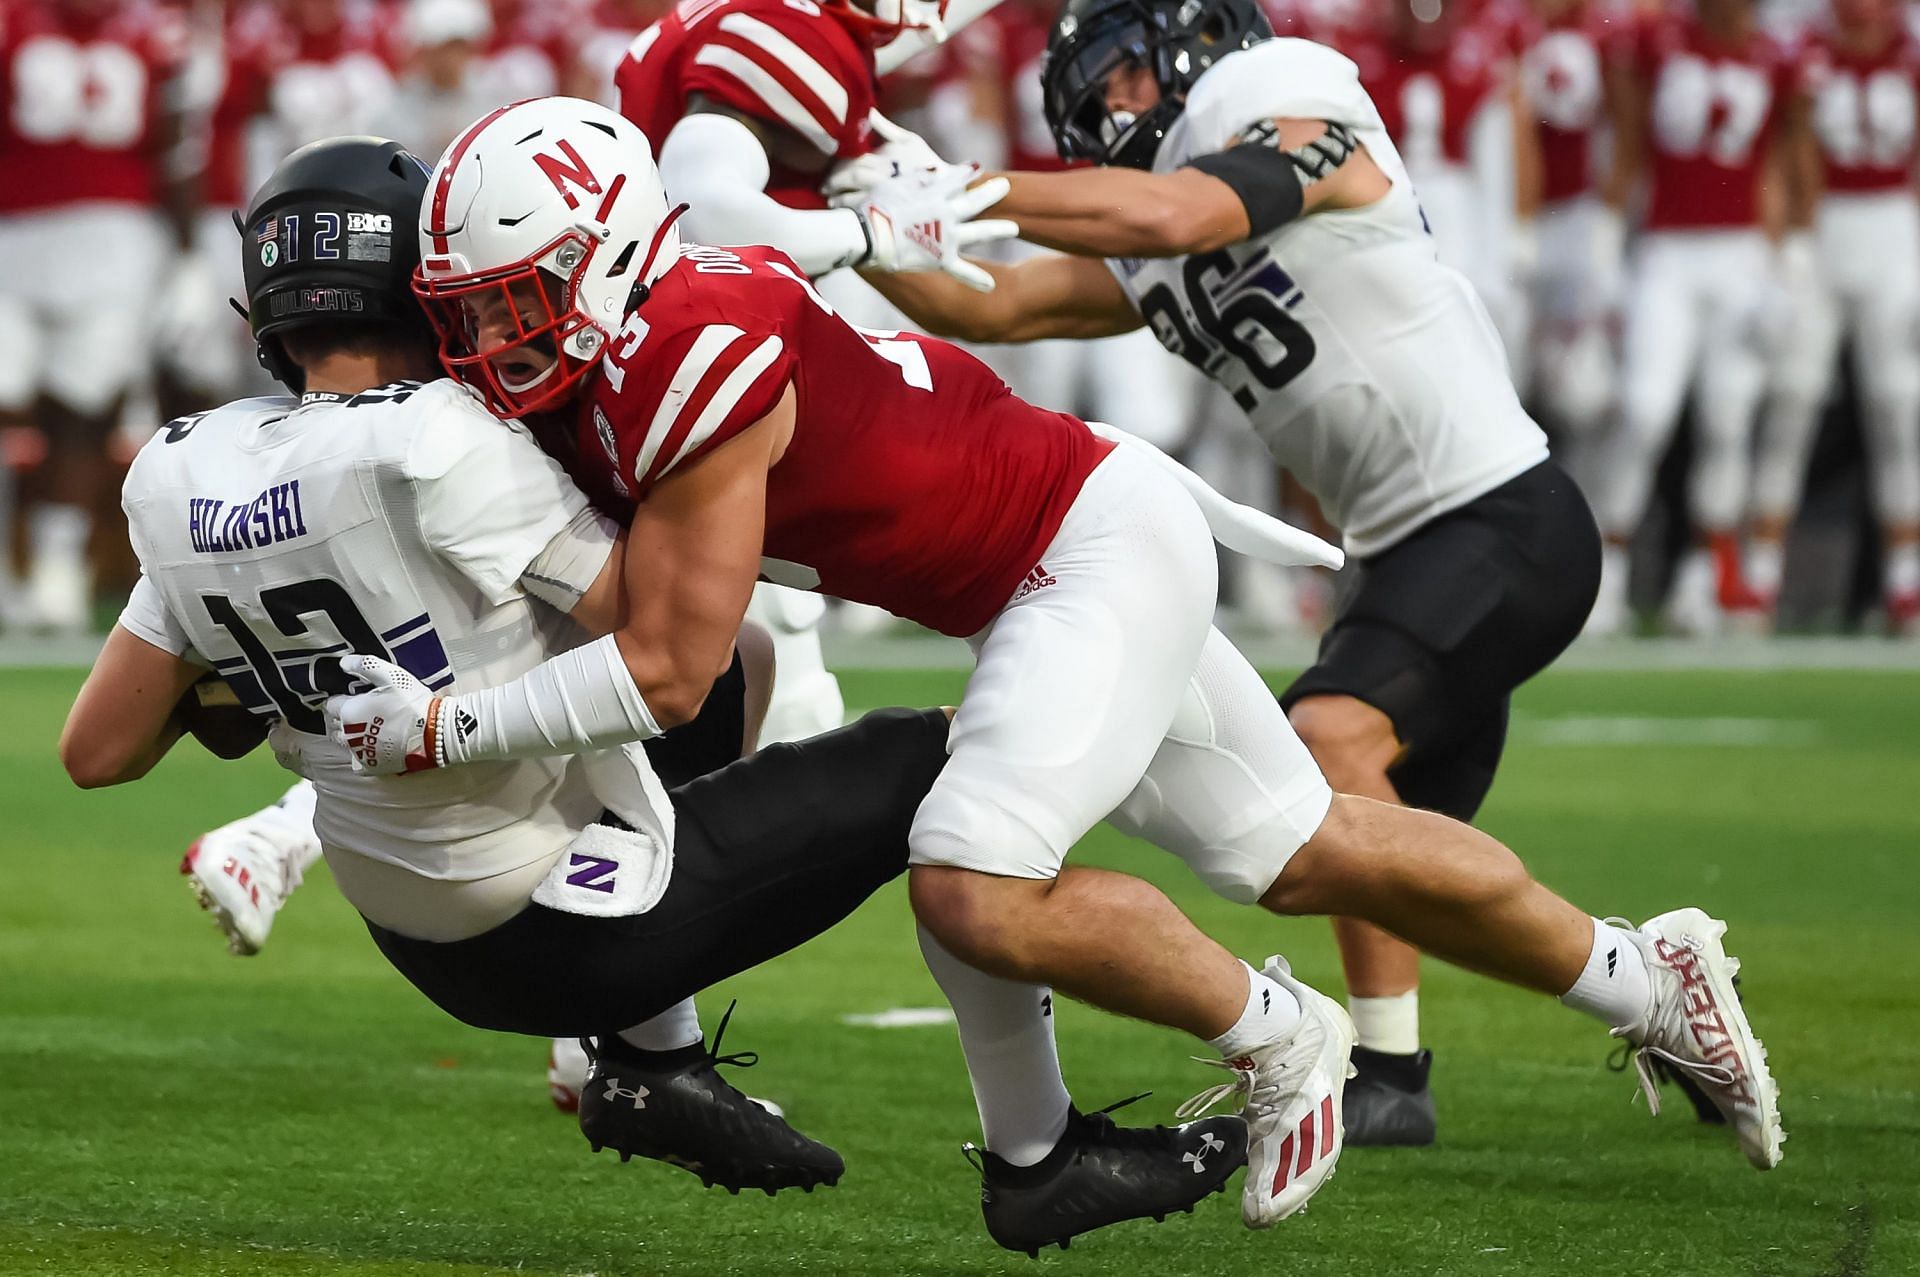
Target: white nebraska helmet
(553, 209)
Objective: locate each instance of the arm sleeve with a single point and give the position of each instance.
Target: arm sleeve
(490, 501)
(147, 616)
(794, 69)
(702, 385)
(717, 165)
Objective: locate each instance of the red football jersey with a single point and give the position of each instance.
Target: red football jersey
(533, 51)
(1009, 45)
(81, 93)
(788, 62)
(915, 480)
(1864, 113)
(1428, 98)
(1562, 73)
(1711, 116)
(253, 40)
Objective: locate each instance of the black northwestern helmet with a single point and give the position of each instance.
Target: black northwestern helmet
(1176, 40)
(333, 237)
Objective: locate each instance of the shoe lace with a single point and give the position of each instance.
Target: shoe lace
(1651, 1064)
(739, 1059)
(1117, 1135)
(1241, 1087)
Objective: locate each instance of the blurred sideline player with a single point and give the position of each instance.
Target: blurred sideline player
(86, 121)
(1708, 115)
(1442, 74)
(1862, 74)
(384, 511)
(1577, 282)
(1368, 367)
(445, 76)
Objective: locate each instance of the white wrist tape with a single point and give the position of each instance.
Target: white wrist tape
(717, 165)
(577, 701)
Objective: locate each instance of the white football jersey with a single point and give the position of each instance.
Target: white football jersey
(1371, 371)
(275, 535)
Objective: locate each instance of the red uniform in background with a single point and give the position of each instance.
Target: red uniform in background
(328, 66)
(1008, 46)
(1712, 111)
(1862, 76)
(83, 87)
(534, 51)
(914, 481)
(796, 66)
(1698, 316)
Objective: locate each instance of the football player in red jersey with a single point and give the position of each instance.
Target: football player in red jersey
(1576, 285)
(85, 119)
(1863, 77)
(1707, 117)
(1442, 74)
(746, 428)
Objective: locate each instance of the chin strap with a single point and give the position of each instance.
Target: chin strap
(643, 287)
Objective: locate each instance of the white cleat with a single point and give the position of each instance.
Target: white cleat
(1293, 1093)
(243, 872)
(567, 1065)
(1696, 1025)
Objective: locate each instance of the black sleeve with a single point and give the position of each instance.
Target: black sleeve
(1264, 179)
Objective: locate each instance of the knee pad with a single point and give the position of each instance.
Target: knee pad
(1232, 790)
(965, 824)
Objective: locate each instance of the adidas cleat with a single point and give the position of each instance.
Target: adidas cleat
(243, 872)
(1387, 1100)
(1696, 1026)
(1101, 1173)
(674, 1107)
(1293, 1094)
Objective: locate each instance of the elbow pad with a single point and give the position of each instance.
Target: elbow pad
(717, 165)
(1272, 183)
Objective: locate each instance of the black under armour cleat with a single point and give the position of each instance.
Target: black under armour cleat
(674, 1107)
(1388, 1103)
(1101, 1173)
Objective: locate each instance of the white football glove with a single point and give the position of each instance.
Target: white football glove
(915, 223)
(900, 152)
(385, 729)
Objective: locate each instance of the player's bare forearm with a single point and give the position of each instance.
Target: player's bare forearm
(1122, 212)
(122, 721)
(693, 555)
(1039, 298)
(1627, 111)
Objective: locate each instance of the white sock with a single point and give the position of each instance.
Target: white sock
(1271, 1012)
(1902, 569)
(1006, 1033)
(59, 531)
(1614, 987)
(1390, 1025)
(1763, 565)
(673, 1028)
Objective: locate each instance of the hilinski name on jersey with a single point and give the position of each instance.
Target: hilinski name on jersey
(215, 526)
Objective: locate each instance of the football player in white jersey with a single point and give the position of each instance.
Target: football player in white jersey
(1256, 216)
(381, 512)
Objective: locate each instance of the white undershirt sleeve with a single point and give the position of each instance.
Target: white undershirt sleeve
(580, 700)
(572, 561)
(717, 165)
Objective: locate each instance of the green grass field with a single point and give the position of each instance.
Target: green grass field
(165, 1108)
